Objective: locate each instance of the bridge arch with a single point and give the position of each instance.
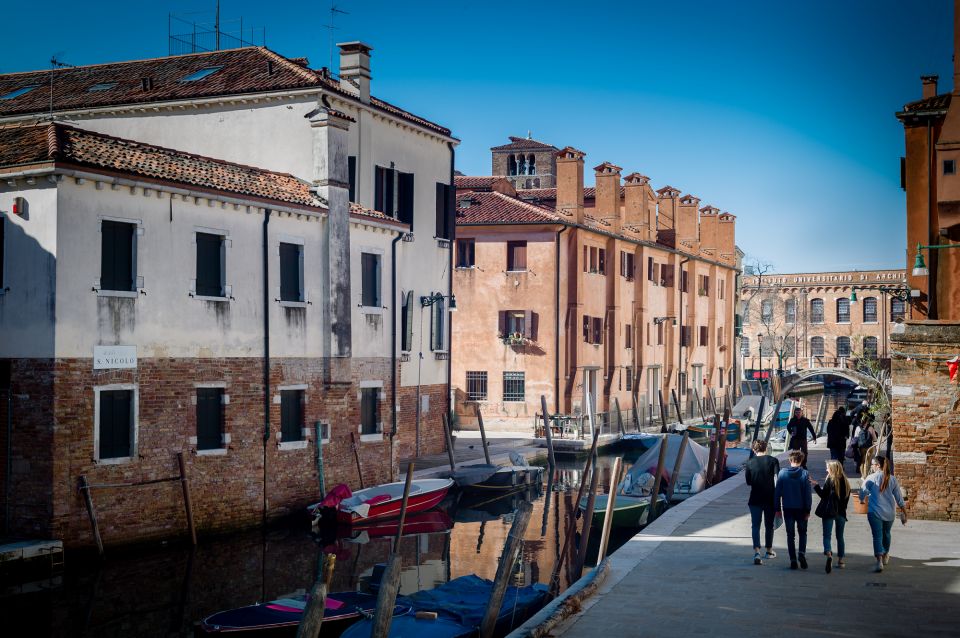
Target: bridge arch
(795, 379)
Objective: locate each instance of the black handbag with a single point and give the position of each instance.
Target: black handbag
(828, 507)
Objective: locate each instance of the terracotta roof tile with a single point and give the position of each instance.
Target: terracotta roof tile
(497, 208)
(472, 182)
(357, 209)
(524, 144)
(241, 71)
(66, 145)
(935, 103)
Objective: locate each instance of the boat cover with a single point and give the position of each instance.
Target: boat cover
(693, 465)
(288, 611)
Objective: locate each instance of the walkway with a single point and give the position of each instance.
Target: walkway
(691, 573)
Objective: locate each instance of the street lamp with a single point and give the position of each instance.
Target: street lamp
(435, 297)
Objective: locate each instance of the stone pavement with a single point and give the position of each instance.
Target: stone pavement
(691, 573)
(468, 450)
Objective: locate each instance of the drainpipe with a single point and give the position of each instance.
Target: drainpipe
(556, 332)
(452, 230)
(393, 335)
(932, 277)
(683, 368)
(266, 351)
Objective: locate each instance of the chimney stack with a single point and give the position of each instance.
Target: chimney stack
(726, 237)
(355, 69)
(607, 199)
(570, 183)
(709, 231)
(929, 85)
(687, 223)
(636, 204)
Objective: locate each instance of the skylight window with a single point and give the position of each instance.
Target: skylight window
(102, 86)
(18, 92)
(202, 73)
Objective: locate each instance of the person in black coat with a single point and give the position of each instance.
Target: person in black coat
(760, 473)
(838, 429)
(797, 428)
(834, 497)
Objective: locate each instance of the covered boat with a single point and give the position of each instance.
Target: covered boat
(383, 501)
(638, 440)
(459, 605)
(693, 469)
(487, 477)
(280, 617)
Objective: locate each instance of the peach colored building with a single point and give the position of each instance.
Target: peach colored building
(808, 320)
(616, 290)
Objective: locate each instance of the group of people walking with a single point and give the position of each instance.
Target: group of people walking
(784, 496)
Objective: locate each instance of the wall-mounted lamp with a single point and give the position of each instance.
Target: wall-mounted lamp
(919, 265)
(434, 297)
(903, 294)
(659, 320)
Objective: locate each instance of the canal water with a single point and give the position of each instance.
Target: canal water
(165, 590)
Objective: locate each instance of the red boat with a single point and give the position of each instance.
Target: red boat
(383, 501)
(433, 522)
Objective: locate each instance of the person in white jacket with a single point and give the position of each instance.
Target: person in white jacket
(883, 492)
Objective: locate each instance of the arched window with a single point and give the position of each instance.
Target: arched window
(745, 346)
(790, 310)
(898, 310)
(870, 310)
(843, 346)
(816, 345)
(766, 310)
(870, 347)
(511, 165)
(843, 310)
(521, 164)
(745, 313)
(531, 165)
(816, 312)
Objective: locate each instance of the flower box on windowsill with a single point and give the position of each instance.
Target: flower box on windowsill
(515, 339)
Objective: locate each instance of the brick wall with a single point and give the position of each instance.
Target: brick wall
(53, 443)
(926, 419)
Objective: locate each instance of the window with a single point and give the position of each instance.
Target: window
(629, 375)
(745, 310)
(393, 193)
(766, 310)
(370, 280)
(438, 322)
(628, 336)
(816, 311)
(466, 253)
(843, 346)
(704, 286)
(721, 291)
(656, 274)
(513, 386)
(660, 334)
(720, 336)
(745, 346)
(291, 415)
(766, 346)
(352, 178)
(116, 418)
(666, 275)
(843, 310)
(477, 386)
(406, 323)
(101, 86)
(18, 92)
(704, 335)
(370, 411)
(210, 418)
(898, 307)
(602, 262)
(870, 347)
(650, 269)
(291, 272)
(684, 336)
(519, 322)
(202, 73)
(949, 167)
(405, 199)
(626, 265)
(516, 255)
(790, 310)
(211, 253)
(870, 310)
(511, 165)
(118, 256)
(531, 164)
(720, 376)
(445, 210)
(683, 281)
(592, 330)
(816, 346)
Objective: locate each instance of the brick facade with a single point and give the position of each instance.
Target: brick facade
(926, 418)
(53, 443)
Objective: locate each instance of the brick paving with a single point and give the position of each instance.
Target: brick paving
(691, 573)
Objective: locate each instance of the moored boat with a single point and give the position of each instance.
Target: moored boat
(430, 522)
(703, 431)
(384, 501)
(496, 477)
(628, 511)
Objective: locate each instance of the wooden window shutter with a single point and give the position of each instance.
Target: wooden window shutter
(502, 322)
(533, 325)
(379, 179)
(408, 323)
(405, 198)
(602, 262)
(586, 328)
(352, 177)
(597, 330)
(586, 259)
(650, 269)
(527, 324)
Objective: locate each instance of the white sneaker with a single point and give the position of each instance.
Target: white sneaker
(879, 567)
(756, 559)
(770, 554)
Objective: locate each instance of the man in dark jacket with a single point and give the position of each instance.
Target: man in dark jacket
(838, 429)
(760, 472)
(797, 429)
(794, 496)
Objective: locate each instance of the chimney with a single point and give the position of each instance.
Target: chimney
(709, 231)
(570, 183)
(726, 238)
(929, 85)
(667, 215)
(331, 183)
(607, 199)
(355, 69)
(636, 204)
(687, 226)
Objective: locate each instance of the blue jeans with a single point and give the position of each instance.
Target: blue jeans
(828, 524)
(766, 511)
(881, 534)
(795, 521)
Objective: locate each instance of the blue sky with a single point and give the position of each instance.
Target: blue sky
(780, 113)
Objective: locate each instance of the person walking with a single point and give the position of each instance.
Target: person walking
(760, 473)
(838, 429)
(881, 491)
(797, 429)
(794, 497)
(866, 439)
(832, 510)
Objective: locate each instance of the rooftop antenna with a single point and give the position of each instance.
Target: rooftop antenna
(54, 65)
(334, 10)
(216, 26)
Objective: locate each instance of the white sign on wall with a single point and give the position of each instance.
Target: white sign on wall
(113, 357)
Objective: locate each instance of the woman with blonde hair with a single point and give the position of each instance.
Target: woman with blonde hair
(883, 491)
(834, 497)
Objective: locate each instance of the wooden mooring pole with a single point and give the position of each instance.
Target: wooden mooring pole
(356, 456)
(657, 480)
(449, 437)
(663, 412)
(773, 420)
(721, 448)
(309, 626)
(696, 396)
(711, 454)
(677, 464)
(390, 582)
(616, 406)
(676, 405)
(587, 519)
(188, 505)
(91, 512)
(511, 550)
(611, 503)
(483, 435)
(318, 430)
(548, 433)
(759, 417)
